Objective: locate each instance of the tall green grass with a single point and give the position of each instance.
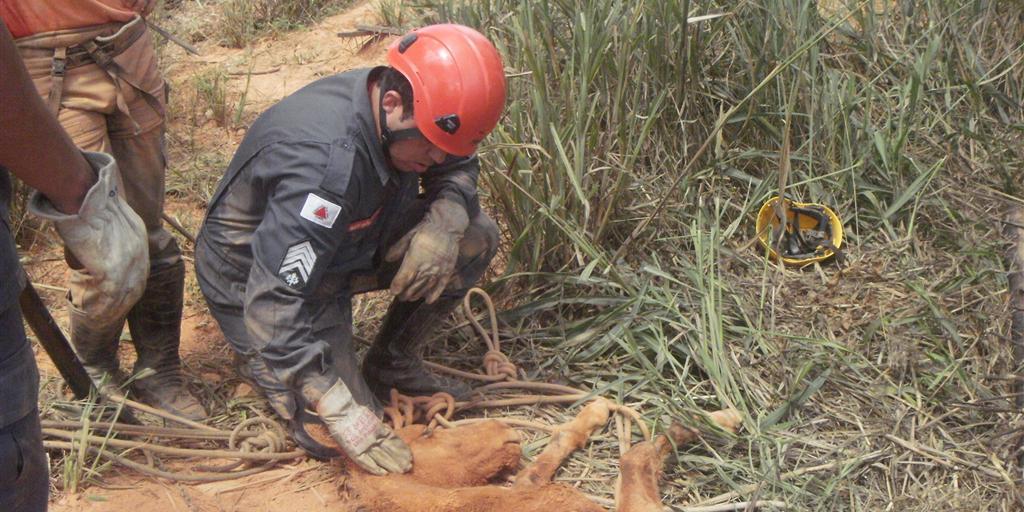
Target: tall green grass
(633, 156)
(610, 99)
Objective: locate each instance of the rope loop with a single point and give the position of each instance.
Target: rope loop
(496, 363)
(434, 405)
(401, 410)
(270, 440)
(404, 410)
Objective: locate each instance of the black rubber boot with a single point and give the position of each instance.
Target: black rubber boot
(96, 347)
(155, 324)
(396, 358)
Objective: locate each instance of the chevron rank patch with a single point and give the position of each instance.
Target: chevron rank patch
(320, 211)
(297, 265)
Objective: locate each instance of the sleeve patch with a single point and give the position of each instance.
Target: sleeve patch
(297, 265)
(320, 211)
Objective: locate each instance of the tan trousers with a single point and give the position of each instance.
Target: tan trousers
(120, 113)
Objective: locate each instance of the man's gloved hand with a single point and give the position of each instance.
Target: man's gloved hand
(106, 236)
(430, 250)
(362, 435)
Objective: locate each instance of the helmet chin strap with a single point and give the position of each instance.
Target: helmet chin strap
(387, 135)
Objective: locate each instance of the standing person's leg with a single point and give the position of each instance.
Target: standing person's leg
(86, 97)
(155, 321)
(94, 337)
(396, 358)
(137, 142)
(24, 472)
(119, 109)
(24, 475)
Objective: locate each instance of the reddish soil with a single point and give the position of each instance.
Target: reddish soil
(307, 486)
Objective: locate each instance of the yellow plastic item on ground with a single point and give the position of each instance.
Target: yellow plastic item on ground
(831, 10)
(813, 232)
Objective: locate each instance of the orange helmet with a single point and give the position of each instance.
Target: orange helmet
(458, 84)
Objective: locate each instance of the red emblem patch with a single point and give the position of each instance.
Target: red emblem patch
(365, 223)
(321, 213)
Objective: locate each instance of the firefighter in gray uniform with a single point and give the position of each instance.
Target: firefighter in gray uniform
(360, 181)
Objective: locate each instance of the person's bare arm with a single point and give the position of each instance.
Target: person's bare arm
(33, 146)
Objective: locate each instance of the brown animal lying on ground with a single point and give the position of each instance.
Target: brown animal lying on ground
(453, 469)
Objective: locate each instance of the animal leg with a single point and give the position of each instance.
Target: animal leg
(637, 489)
(566, 439)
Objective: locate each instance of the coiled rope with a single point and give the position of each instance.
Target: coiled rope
(500, 374)
(257, 443)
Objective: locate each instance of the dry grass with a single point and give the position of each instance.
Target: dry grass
(878, 385)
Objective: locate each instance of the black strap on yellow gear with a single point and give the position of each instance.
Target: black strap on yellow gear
(791, 241)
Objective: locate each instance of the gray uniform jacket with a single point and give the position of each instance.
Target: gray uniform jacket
(304, 206)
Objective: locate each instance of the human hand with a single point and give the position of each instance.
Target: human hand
(429, 252)
(361, 434)
(107, 237)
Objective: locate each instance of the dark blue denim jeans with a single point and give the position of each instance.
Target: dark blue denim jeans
(24, 475)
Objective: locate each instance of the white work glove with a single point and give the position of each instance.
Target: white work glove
(366, 440)
(429, 252)
(106, 236)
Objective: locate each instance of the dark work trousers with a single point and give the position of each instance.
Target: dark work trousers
(24, 473)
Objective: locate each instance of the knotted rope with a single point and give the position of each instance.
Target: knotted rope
(496, 363)
(404, 410)
(499, 374)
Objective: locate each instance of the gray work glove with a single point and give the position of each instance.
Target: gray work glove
(107, 237)
(428, 252)
(366, 440)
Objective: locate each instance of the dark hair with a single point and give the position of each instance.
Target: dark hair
(392, 80)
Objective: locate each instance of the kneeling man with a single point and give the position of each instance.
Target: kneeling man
(360, 181)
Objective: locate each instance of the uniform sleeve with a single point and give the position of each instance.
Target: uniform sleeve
(302, 228)
(454, 179)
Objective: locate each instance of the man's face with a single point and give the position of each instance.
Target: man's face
(411, 155)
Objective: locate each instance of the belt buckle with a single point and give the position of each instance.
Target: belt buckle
(60, 65)
(106, 46)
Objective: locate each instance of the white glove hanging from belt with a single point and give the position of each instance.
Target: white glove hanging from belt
(106, 236)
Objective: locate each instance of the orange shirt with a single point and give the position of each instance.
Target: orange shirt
(28, 17)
